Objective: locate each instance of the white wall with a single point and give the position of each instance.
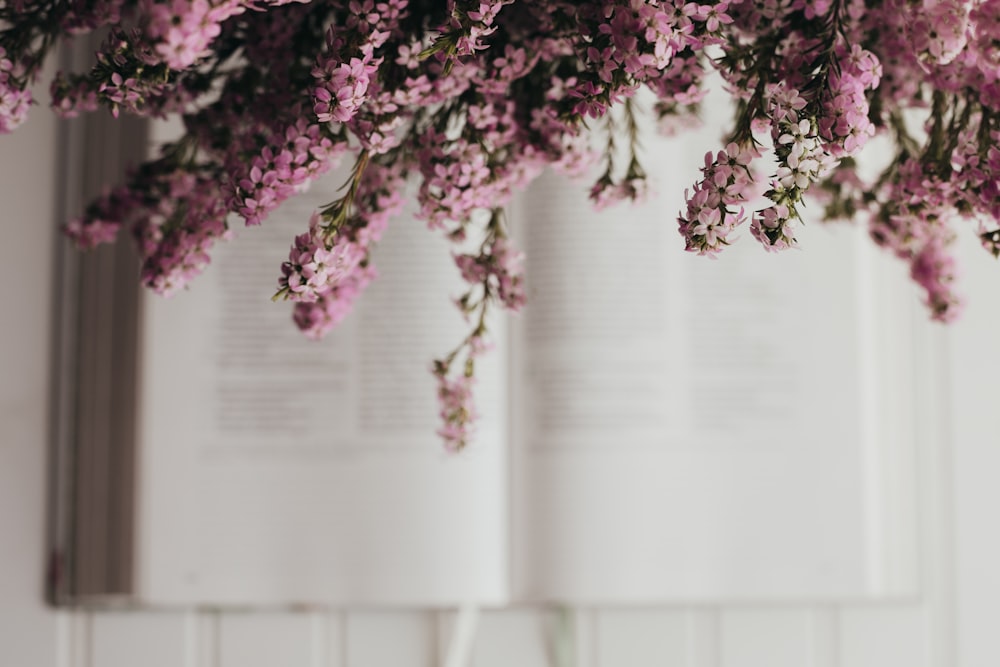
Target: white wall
(27, 174)
(950, 624)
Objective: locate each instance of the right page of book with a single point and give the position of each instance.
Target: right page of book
(696, 430)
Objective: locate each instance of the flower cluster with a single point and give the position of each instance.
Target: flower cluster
(330, 266)
(494, 276)
(317, 262)
(803, 158)
(287, 162)
(14, 99)
(344, 70)
(317, 318)
(715, 207)
(468, 24)
(176, 216)
(474, 98)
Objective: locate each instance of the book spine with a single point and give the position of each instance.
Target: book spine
(95, 352)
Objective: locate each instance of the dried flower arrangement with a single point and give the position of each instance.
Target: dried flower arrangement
(476, 98)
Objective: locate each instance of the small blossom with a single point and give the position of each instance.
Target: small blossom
(715, 205)
(317, 262)
(457, 411)
(15, 99)
(317, 318)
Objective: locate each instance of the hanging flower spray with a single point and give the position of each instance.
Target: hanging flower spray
(474, 99)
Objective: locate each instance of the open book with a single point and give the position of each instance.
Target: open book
(655, 427)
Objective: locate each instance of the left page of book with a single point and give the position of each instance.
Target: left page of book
(279, 470)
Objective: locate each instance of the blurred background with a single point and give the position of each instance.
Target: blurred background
(949, 621)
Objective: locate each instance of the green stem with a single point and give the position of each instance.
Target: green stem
(336, 213)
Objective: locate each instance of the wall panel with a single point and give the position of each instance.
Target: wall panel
(766, 638)
(526, 638)
(401, 639)
(150, 639)
(252, 639)
(643, 637)
(884, 636)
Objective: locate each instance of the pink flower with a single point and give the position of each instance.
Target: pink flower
(317, 262)
(90, 232)
(715, 205)
(14, 106)
(317, 318)
(457, 411)
(774, 227)
(933, 268)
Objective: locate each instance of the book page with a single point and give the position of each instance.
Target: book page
(698, 430)
(280, 470)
